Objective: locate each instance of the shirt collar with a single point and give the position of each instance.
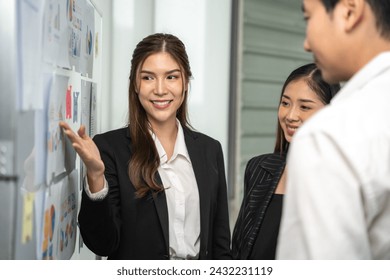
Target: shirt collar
(180, 146)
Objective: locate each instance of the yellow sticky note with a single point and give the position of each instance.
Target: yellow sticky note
(27, 225)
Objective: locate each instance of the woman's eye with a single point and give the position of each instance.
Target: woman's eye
(305, 108)
(147, 78)
(171, 77)
(284, 103)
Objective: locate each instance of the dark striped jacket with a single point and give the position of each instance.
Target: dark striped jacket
(262, 175)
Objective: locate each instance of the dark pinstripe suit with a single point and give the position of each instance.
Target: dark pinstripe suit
(262, 175)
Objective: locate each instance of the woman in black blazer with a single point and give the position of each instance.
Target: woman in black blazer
(155, 189)
(256, 230)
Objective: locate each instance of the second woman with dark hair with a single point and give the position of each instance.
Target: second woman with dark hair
(155, 189)
(257, 226)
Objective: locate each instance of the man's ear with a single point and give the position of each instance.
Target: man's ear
(352, 12)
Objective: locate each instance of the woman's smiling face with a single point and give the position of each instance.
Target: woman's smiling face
(161, 88)
(298, 103)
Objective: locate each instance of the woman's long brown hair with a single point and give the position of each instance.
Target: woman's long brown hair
(144, 160)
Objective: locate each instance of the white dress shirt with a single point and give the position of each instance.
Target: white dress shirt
(182, 194)
(337, 202)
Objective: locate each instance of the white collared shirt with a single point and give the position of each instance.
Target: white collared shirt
(337, 201)
(182, 194)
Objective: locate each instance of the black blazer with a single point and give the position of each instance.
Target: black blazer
(262, 175)
(123, 227)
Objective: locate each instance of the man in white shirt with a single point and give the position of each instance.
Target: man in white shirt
(337, 203)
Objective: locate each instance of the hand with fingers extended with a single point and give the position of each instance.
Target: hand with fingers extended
(89, 154)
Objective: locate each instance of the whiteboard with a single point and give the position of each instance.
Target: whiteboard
(57, 77)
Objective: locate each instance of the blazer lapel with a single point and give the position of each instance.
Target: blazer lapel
(198, 163)
(274, 164)
(160, 201)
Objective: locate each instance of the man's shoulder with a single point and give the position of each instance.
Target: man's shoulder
(323, 120)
